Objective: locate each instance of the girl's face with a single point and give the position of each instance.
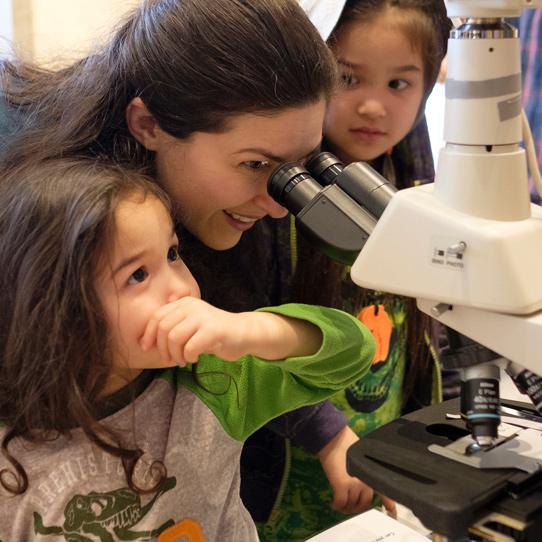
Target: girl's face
(142, 273)
(219, 181)
(384, 89)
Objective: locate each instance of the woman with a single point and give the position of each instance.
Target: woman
(207, 98)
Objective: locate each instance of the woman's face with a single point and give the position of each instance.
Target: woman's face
(384, 80)
(218, 182)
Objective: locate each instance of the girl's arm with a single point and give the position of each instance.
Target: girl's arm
(189, 327)
(251, 392)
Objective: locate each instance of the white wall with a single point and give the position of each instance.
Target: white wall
(6, 26)
(52, 30)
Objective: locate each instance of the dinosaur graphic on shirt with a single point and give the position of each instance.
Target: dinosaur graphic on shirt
(106, 516)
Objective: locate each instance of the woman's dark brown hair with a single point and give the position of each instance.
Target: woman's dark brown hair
(194, 63)
(56, 220)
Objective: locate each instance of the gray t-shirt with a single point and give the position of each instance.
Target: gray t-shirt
(78, 492)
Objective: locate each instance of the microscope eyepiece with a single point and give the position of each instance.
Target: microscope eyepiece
(325, 167)
(292, 186)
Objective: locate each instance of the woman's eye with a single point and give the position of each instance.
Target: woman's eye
(349, 79)
(398, 84)
(256, 164)
(173, 254)
(139, 276)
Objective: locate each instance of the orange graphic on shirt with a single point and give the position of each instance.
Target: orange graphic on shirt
(377, 321)
(188, 528)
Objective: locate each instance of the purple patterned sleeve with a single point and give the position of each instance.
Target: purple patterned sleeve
(312, 426)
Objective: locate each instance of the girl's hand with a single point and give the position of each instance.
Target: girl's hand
(188, 327)
(350, 495)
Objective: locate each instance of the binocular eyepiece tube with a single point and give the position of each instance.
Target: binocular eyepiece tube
(336, 207)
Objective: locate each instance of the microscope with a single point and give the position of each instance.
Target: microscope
(469, 249)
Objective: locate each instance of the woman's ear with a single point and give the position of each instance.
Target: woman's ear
(142, 124)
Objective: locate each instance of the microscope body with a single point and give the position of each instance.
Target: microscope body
(470, 252)
(471, 240)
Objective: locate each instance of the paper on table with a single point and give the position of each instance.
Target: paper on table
(371, 526)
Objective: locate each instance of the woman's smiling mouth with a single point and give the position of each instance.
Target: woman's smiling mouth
(240, 222)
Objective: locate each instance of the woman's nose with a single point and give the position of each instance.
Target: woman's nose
(265, 202)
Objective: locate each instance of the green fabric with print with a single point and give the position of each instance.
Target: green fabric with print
(370, 402)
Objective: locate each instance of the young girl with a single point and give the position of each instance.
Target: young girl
(389, 53)
(106, 431)
(206, 97)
